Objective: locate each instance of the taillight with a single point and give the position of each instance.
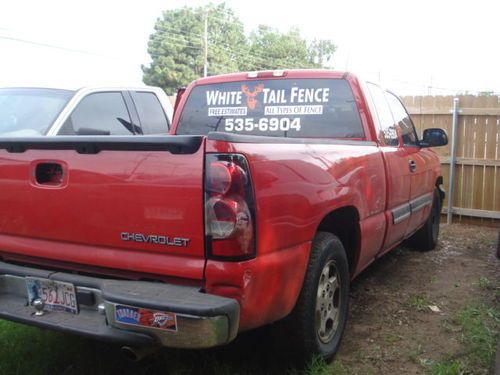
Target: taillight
(229, 207)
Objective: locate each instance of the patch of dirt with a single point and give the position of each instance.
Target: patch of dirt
(391, 329)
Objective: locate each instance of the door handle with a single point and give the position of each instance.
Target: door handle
(412, 165)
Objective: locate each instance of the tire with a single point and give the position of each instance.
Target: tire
(317, 322)
(426, 238)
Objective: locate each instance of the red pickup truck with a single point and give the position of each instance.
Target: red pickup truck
(272, 192)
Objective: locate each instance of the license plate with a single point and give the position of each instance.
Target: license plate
(56, 295)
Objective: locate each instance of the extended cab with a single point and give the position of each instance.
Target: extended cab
(273, 191)
(28, 111)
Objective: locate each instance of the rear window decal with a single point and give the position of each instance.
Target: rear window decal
(293, 110)
(227, 111)
(274, 107)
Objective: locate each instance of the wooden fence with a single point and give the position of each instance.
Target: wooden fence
(477, 170)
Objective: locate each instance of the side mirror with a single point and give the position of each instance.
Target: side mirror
(434, 137)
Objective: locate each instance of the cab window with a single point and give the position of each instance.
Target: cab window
(153, 118)
(385, 119)
(402, 120)
(103, 113)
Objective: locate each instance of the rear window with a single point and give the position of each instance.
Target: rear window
(280, 108)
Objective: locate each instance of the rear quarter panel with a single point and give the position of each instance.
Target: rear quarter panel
(296, 186)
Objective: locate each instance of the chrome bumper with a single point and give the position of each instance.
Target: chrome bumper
(202, 320)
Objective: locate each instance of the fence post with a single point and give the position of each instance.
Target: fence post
(453, 158)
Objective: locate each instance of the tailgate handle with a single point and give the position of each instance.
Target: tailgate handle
(51, 174)
(412, 165)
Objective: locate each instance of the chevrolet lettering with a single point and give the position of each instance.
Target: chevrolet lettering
(155, 239)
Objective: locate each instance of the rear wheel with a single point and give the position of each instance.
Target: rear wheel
(426, 238)
(316, 324)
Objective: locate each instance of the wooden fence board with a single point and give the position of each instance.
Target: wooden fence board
(471, 161)
(496, 194)
(491, 138)
(478, 186)
(489, 189)
(468, 189)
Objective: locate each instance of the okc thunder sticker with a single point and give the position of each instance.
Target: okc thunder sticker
(138, 316)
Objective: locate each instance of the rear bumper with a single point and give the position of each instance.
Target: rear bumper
(202, 320)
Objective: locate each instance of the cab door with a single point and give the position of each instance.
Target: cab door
(421, 184)
(398, 173)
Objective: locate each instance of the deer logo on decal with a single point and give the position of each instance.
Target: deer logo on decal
(251, 101)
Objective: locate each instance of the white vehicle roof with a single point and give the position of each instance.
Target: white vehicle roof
(86, 87)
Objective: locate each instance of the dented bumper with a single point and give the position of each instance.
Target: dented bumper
(137, 313)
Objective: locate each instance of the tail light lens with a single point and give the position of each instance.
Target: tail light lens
(229, 207)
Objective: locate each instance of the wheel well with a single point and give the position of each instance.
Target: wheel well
(344, 223)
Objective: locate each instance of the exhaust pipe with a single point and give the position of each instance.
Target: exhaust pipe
(138, 354)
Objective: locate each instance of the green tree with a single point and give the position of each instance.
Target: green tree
(177, 47)
(271, 49)
(321, 51)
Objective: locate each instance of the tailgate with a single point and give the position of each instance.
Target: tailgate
(127, 203)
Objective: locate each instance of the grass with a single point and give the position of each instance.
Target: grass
(29, 350)
(484, 283)
(415, 353)
(481, 331)
(319, 367)
(447, 368)
(337, 368)
(392, 338)
(480, 327)
(418, 302)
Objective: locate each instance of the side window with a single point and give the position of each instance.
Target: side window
(403, 121)
(386, 121)
(151, 114)
(101, 113)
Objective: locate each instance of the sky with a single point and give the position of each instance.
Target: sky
(414, 48)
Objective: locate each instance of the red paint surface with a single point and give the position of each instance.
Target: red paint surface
(266, 287)
(153, 193)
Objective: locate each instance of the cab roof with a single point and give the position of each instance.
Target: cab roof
(272, 74)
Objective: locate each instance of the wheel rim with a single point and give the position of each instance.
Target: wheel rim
(328, 303)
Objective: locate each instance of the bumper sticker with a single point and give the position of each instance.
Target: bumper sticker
(139, 316)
